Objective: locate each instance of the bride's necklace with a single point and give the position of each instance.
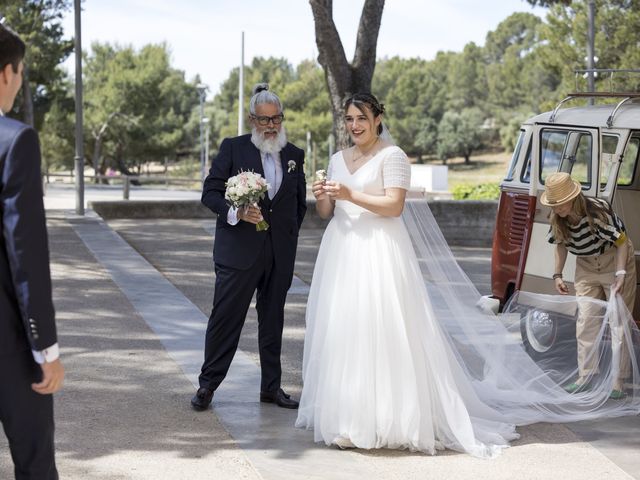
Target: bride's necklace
(365, 154)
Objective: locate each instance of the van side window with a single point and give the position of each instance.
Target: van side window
(609, 145)
(566, 151)
(629, 162)
(526, 170)
(551, 148)
(514, 158)
(580, 164)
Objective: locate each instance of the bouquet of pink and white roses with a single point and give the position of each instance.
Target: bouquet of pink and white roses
(247, 188)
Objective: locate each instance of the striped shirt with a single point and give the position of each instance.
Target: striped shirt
(585, 242)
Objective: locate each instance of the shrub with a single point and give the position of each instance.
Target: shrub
(482, 191)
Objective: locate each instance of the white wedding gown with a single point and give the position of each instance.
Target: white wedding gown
(379, 367)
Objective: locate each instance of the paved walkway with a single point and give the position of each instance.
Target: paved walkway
(132, 299)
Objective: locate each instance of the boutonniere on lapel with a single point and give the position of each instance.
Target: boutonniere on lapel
(292, 166)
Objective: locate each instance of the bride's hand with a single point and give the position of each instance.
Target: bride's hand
(337, 191)
(317, 188)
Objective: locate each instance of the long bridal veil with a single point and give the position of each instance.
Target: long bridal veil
(515, 380)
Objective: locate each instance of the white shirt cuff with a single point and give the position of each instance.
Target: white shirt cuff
(232, 216)
(47, 355)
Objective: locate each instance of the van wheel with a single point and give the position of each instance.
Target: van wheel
(549, 337)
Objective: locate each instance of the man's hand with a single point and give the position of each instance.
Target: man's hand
(250, 214)
(52, 377)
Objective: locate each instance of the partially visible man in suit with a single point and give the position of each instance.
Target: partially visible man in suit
(30, 370)
(247, 260)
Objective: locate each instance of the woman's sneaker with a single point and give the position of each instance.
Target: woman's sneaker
(578, 386)
(617, 395)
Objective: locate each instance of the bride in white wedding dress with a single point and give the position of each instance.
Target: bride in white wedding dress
(396, 355)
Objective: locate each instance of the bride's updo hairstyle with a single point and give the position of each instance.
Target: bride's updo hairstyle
(260, 95)
(368, 101)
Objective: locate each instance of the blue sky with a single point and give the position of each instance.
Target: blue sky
(204, 36)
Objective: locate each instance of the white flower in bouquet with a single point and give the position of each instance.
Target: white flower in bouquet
(247, 188)
(321, 175)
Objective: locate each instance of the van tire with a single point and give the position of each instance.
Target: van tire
(558, 344)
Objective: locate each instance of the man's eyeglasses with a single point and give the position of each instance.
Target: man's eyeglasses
(263, 121)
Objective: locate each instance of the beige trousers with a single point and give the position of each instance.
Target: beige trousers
(594, 276)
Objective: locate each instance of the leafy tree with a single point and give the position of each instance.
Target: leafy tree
(136, 106)
(510, 130)
(57, 137)
(467, 79)
(548, 3)
(563, 43)
(459, 134)
(427, 138)
(344, 78)
(510, 56)
(414, 93)
(38, 22)
(406, 104)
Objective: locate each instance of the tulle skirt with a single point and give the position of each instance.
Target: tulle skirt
(377, 369)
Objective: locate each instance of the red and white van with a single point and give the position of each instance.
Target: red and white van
(599, 145)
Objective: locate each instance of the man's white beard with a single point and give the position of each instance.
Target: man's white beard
(269, 145)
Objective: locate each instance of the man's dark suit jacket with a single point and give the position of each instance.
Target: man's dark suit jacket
(27, 319)
(238, 246)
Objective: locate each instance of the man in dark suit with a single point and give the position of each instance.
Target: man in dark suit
(30, 370)
(247, 260)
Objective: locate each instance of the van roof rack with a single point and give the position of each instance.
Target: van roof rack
(611, 93)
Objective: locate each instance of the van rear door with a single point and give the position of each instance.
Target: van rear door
(556, 148)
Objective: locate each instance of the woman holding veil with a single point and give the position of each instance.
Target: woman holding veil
(396, 354)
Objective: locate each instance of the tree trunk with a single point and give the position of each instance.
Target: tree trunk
(344, 79)
(97, 160)
(97, 148)
(27, 98)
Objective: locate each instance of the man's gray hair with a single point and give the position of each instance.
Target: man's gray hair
(261, 95)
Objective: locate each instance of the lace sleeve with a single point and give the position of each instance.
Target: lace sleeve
(396, 171)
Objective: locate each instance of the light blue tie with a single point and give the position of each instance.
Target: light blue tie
(270, 174)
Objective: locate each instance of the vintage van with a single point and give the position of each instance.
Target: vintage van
(599, 146)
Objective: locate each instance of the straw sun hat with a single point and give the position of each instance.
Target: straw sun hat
(559, 188)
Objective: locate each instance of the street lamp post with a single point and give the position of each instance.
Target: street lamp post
(205, 121)
(202, 93)
(78, 161)
(591, 47)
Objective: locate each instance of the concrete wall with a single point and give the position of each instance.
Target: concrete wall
(463, 222)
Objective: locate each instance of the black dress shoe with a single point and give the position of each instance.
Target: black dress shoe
(202, 399)
(279, 398)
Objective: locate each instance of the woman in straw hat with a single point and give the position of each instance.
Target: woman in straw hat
(605, 265)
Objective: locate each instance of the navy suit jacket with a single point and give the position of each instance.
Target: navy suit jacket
(27, 319)
(238, 246)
